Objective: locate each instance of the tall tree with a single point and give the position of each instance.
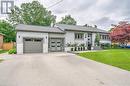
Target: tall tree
(121, 33)
(31, 13)
(68, 20)
(8, 31)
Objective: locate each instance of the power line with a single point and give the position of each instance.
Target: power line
(55, 4)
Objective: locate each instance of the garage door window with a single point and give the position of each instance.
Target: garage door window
(37, 40)
(28, 39)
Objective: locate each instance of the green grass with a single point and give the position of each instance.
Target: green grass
(115, 57)
(2, 51)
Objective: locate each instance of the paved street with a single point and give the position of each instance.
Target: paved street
(59, 69)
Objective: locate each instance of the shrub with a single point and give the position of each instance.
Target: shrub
(105, 45)
(75, 45)
(115, 46)
(68, 45)
(12, 51)
(82, 45)
(3, 51)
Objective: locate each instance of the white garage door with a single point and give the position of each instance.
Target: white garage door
(33, 45)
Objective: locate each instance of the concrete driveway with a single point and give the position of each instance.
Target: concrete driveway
(59, 69)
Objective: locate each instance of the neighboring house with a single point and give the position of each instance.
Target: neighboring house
(1, 40)
(42, 39)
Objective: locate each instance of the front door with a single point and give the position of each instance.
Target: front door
(56, 45)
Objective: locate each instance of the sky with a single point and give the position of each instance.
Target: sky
(102, 13)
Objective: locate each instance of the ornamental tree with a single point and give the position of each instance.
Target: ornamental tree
(121, 33)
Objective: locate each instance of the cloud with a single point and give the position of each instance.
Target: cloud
(72, 6)
(103, 20)
(100, 12)
(127, 19)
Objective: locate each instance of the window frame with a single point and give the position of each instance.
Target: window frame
(105, 37)
(6, 5)
(79, 36)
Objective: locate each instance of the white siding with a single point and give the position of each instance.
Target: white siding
(21, 35)
(69, 37)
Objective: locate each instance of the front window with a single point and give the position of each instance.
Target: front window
(105, 37)
(79, 36)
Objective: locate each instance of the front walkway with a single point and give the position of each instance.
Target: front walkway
(59, 69)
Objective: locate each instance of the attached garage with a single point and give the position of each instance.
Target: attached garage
(36, 39)
(33, 45)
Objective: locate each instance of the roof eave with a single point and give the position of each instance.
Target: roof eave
(38, 31)
(86, 31)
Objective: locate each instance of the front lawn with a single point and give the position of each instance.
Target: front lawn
(115, 57)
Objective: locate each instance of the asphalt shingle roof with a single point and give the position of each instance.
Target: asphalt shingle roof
(79, 28)
(59, 28)
(23, 27)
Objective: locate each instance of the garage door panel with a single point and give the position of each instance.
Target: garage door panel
(55, 44)
(33, 45)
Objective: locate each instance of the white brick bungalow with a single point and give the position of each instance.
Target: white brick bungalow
(61, 37)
